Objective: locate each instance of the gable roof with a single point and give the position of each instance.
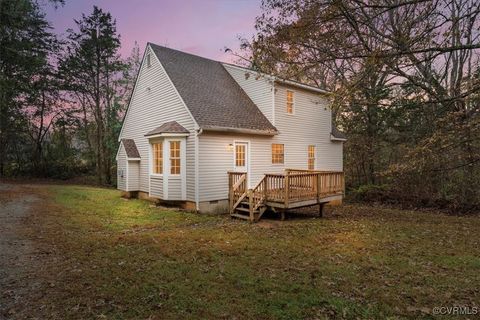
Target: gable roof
(168, 127)
(215, 100)
(130, 148)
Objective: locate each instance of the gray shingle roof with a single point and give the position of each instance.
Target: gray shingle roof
(130, 148)
(168, 127)
(337, 133)
(213, 97)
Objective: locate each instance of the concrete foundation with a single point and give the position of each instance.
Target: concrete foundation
(214, 207)
(129, 194)
(144, 196)
(207, 207)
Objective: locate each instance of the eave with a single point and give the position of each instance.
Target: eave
(239, 130)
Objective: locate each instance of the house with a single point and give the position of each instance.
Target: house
(209, 135)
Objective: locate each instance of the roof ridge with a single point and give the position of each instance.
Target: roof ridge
(183, 52)
(239, 66)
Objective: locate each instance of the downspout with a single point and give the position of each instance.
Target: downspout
(197, 179)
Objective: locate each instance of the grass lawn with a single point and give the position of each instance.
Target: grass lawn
(121, 259)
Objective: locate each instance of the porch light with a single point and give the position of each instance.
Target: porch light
(230, 147)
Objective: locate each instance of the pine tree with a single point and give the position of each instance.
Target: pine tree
(92, 69)
(25, 45)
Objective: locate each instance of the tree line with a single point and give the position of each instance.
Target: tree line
(405, 78)
(61, 99)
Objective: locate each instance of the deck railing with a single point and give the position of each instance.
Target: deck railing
(302, 185)
(292, 186)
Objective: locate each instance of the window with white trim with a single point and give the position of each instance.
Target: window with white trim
(290, 102)
(157, 152)
(278, 156)
(175, 157)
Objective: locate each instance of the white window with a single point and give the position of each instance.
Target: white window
(290, 102)
(278, 156)
(157, 153)
(175, 157)
(311, 157)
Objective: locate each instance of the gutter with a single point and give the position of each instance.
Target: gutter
(334, 138)
(240, 130)
(280, 80)
(301, 85)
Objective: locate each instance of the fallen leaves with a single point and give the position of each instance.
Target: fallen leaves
(133, 260)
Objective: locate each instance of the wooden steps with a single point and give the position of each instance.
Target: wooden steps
(242, 211)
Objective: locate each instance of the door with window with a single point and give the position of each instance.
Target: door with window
(241, 157)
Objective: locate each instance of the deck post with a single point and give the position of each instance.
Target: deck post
(265, 189)
(250, 205)
(287, 187)
(319, 186)
(320, 209)
(230, 192)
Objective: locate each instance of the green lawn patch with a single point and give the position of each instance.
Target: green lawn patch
(129, 259)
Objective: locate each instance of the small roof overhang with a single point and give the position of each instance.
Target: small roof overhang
(131, 149)
(163, 135)
(168, 129)
(337, 135)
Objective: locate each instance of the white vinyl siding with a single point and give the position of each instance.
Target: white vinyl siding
(154, 102)
(216, 159)
(133, 175)
(156, 185)
(122, 169)
(175, 188)
(309, 125)
(258, 87)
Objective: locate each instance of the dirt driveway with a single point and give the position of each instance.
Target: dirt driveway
(18, 258)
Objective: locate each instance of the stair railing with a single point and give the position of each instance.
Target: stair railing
(237, 185)
(257, 197)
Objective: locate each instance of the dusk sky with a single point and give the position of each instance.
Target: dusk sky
(202, 27)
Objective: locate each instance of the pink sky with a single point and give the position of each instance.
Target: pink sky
(202, 27)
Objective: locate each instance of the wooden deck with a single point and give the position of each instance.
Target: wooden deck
(291, 189)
